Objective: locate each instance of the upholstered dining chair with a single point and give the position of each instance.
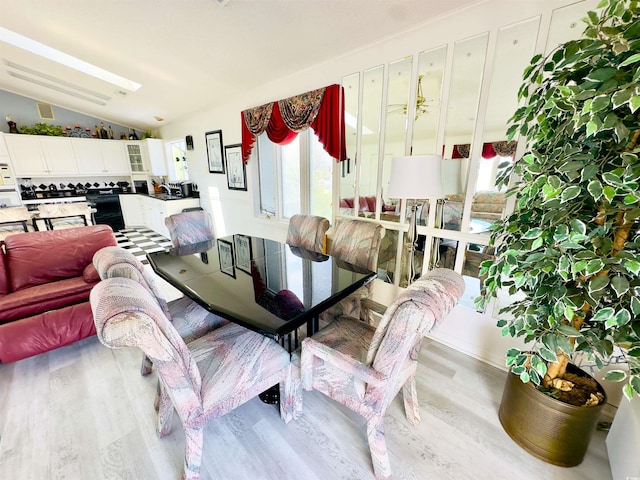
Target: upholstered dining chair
(13, 220)
(356, 242)
(58, 216)
(189, 231)
(308, 231)
(203, 379)
(188, 318)
(364, 368)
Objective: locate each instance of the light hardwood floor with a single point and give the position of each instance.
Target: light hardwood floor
(84, 412)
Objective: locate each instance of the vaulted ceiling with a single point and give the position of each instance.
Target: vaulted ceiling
(186, 54)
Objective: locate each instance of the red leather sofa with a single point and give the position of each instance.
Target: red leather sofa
(45, 280)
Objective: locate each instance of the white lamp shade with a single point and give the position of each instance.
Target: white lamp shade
(416, 177)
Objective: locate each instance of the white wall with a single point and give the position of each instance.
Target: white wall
(465, 330)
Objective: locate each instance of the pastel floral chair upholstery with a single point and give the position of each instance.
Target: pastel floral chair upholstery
(308, 231)
(13, 220)
(58, 216)
(356, 242)
(203, 379)
(188, 318)
(364, 368)
(190, 231)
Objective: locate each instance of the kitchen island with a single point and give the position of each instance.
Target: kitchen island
(151, 210)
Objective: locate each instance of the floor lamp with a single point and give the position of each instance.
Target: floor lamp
(412, 178)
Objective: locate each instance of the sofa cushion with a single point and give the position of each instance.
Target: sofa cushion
(49, 296)
(36, 258)
(46, 331)
(4, 279)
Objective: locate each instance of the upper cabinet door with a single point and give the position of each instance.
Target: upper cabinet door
(26, 155)
(58, 155)
(114, 157)
(88, 156)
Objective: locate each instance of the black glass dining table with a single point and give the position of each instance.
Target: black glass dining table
(264, 285)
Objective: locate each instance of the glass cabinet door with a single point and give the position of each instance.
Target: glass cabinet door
(135, 157)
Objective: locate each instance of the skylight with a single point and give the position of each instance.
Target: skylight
(62, 58)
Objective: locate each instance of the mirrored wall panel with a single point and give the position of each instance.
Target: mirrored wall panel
(462, 110)
(351, 85)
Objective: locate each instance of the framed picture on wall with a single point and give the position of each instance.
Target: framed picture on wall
(236, 169)
(225, 255)
(215, 153)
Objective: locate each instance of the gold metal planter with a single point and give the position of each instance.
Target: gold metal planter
(549, 429)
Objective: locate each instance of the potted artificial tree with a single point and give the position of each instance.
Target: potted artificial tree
(570, 252)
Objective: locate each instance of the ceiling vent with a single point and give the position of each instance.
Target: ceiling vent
(45, 111)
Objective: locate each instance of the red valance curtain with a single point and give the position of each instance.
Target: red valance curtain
(322, 110)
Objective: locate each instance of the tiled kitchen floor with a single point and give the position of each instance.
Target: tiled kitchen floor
(140, 240)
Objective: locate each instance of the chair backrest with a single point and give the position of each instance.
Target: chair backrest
(65, 215)
(308, 231)
(412, 315)
(13, 220)
(357, 242)
(127, 315)
(14, 214)
(189, 228)
(111, 262)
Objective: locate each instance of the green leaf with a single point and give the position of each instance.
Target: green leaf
(635, 306)
(548, 355)
(615, 375)
(598, 283)
(600, 103)
(568, 331)
(595, 189)
(532, 234)
(620, 285)
(604, 314)
(634, 103)
(602, 74)
(609, 193)
(634, 352)
(622, 317)
(632, 265)
(632, 59)
(578, 226)
(570, 193)
(524, 376)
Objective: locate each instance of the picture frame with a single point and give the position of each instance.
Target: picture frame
(236, 169)
(225, 256)
(243, 252)
(215, 152)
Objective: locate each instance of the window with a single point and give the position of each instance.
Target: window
(294, 178)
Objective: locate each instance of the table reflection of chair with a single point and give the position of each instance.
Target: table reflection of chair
(364, 368)
(58, 216)
(308, 231)
(203, 379)
(13, 220)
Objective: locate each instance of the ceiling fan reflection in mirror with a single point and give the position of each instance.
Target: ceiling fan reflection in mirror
(422, 104)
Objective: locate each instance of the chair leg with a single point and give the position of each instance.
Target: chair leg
(378, 448)
(411, 405)
(290, 395)
(192, 453)
(145, 368)
(165, 412)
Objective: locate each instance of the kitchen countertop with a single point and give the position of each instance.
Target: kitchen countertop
(164, 196)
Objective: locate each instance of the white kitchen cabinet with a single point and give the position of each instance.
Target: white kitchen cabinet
(154, 150)
(132, 210)
(101, 157)
(33, 155)
(138, 160)
(142, 210)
